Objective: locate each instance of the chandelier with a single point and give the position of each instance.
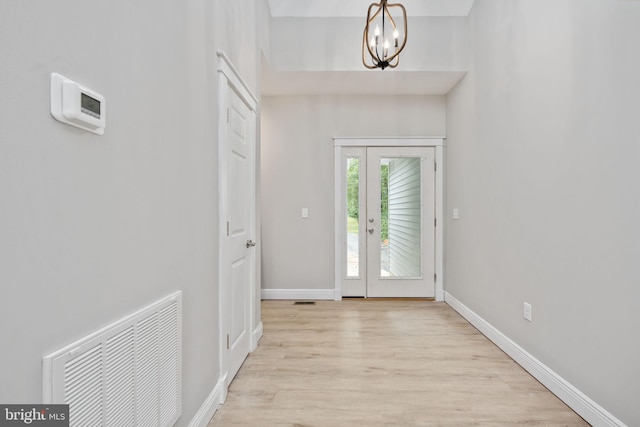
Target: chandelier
(383, 41)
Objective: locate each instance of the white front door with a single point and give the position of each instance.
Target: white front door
(400, 222)
(239, 254)
(389, 221)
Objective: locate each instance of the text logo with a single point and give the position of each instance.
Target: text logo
(34, 415)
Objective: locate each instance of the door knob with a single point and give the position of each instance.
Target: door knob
(250, 243)
(370, 230)
(371, 220)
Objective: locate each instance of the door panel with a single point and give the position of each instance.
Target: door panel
(400, 222)
(354, 186)
(239, 229)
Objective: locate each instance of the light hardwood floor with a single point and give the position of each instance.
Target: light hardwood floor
(382, 363)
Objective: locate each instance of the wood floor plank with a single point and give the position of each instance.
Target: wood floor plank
(382, 363)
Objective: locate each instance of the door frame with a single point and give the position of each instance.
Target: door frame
(230, 79)
(438, 143)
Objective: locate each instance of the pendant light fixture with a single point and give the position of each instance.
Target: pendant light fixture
(383, 40)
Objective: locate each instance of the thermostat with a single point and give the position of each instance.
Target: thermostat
(76, 105)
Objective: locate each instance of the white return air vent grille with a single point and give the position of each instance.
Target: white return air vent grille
(126, 374)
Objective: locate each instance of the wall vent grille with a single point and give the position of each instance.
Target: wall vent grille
(128, 373)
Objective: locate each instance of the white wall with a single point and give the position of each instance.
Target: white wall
(298, 172)
(332, 44)
(542, 161)
(264, 35)
(236, 25)
(94, 227)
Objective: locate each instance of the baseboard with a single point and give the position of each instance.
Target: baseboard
(255, 337)
(593, 413)
(219, 393)
(301, 294)
(211, 404)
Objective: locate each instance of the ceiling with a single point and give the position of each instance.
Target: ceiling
(365, 82)
(357, 8)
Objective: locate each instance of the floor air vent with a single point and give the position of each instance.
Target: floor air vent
(304, 303)
(126, 374)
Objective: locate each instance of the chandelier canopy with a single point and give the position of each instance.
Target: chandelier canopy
(383, 39)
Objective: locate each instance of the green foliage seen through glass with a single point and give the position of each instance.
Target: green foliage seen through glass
(353, 188)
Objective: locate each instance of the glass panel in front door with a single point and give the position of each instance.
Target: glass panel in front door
(400, 217)
(353, 205)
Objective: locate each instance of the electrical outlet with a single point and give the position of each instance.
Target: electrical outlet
(305, 212)
(527, 311)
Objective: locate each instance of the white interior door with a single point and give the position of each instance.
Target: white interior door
(239, 258)
(389, 243)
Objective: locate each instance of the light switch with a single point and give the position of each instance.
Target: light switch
(455, 213)
(305, 212)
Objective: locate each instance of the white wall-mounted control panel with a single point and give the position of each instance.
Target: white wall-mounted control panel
(76, 105)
